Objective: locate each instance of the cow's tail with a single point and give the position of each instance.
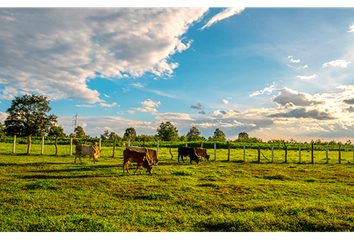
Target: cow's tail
(75, 142)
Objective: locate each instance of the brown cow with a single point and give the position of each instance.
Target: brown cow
(141, 158)
(152, 153)
(82, 149)
(188, 151)
(201, 152)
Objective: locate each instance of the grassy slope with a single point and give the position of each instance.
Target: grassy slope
(50, 193)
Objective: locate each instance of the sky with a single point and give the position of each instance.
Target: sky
(272, 72)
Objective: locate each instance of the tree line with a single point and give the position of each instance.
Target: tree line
(29, 116)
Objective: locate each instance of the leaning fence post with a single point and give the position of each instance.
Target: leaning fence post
(244, 152)
(259, 153)
(99, 144)
(114, 145)
(214, 151)
(340, 160)
(299, 153)
(29, 145)
(312, 152)
(56, 145)
(272, 154)
(71, 146)
(327, 154)
(42, 149)
(14, 145)
(286, 153)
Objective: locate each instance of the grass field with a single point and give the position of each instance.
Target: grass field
(51, 193)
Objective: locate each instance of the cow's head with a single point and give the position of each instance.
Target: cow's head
(147, 164)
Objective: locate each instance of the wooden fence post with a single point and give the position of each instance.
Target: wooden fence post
(71, 146)
(157, 147)
(201, 145)
(327, 154)
(171, 150)
(186, 143)
(214, 151)
(42, 148)
(312, 152)
(272, 154)
(56, 145)
(259, 153)
(128, 142)
(114, 145)
(29, 145)
(299, 153)
(14, 145)
(99, 144)
(244, 153)
(228, 152)
(340, 160)
(286, 153)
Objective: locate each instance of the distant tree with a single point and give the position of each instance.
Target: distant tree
(79, 131)
(28, 115)
(105, 135)
(183, 138)
(219, 135)
(243, 135)
(167, 132)
(112, 135)
(56, 131)
(130, 133)
(193, 134)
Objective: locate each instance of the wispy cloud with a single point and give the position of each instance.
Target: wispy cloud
(131, 111)
(139, 85)
(145, 109)
(351, 27)
(198, 106)
(106, 95)
(267, 89)
(308, 77)
(108, 105)
(150, 103)
(295, 61)
(301, 67)
(337, 63)
(225, 101)
(85, 106)
(228, 12)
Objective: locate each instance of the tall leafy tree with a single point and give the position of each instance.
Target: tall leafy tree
(79, 131)
(167, 132)
(130, 133)
(219, 135)
(56, 131)
(243, 135)
(105, 135)
(29, 115)
(193, 134)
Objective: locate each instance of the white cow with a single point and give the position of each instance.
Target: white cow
(82, 149)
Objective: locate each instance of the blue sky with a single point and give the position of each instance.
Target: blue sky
(272, 72)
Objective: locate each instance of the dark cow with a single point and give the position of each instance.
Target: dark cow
(188, 151)
(142, 160)
(201, 152)
(152, 153)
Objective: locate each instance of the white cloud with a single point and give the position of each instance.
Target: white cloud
(68, 46)
(139, 85)
(294, 61)
(267, 89)
(301, 67)
(131, 111)
(106, 95)
(85, 106)
(290, 56)
(108, 105)
(307, 77)
(172, 116)
(337, 63)
(150, 103)
(228, 12)
(145, 109)
(351, 27)
(225, 101)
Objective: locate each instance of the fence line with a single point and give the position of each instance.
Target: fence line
(229, 146)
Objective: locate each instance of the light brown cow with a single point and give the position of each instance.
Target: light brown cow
(82, 149)
(201, 152)
(152, 153)
(141, 158)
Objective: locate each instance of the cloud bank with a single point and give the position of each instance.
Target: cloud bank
(54, 52)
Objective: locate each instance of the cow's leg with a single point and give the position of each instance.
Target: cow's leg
(94, 159)
(80, 158)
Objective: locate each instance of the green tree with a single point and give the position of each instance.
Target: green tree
(243, 136)
(219, 135)
(56, 131)
(130, 133)
(28, 115)
(193, 134)
(105, 135)
(167, 132)
(79, 132)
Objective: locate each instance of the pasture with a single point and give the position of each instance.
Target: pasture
(51, 193)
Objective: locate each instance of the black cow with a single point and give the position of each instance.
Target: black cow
(188, 151)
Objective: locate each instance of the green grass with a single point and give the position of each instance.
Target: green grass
(51, 193)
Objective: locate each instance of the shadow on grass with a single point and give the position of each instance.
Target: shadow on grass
(30, 164)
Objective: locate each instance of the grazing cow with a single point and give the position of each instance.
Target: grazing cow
(152, 153)
(141, 158)
(201, 152)
(82, 149)
(188, 151)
